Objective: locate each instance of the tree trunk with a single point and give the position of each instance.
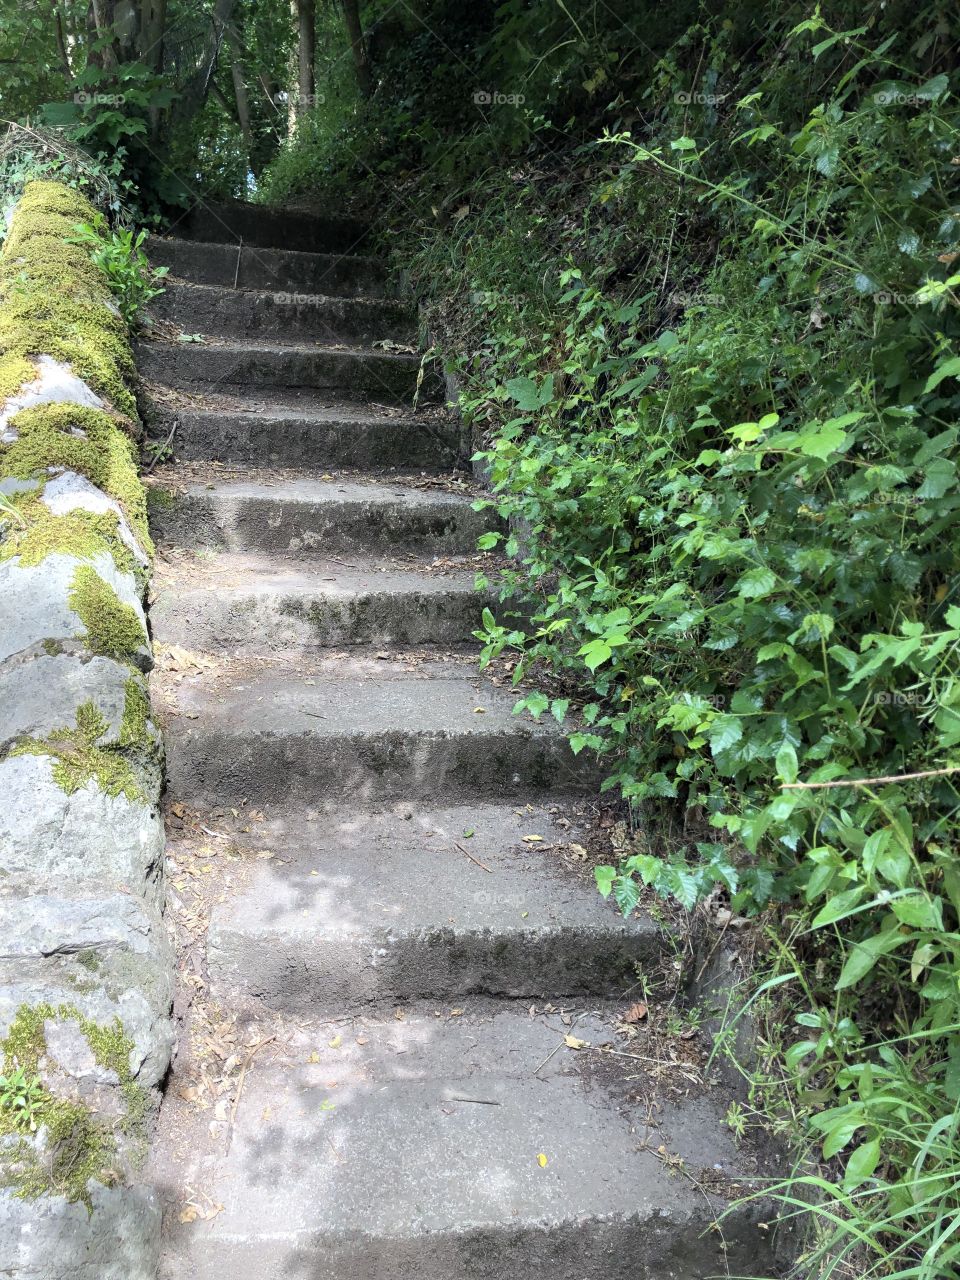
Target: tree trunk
(351, 14)
(194, 92)
(62, 42)
(240, 91)
(153, 21)
(99, 25)
(306, 46)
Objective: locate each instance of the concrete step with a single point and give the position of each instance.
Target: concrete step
(233, 266)
(357, 728)
(259, 604)
(283, 316)
(355, 909)
(471, 1144)
(304, 430)
(344, 373)
(297, 514)
(265, 227)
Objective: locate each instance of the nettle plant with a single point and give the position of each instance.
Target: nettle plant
(741, 546)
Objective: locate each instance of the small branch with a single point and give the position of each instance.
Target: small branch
(868, 782)
(477, 861)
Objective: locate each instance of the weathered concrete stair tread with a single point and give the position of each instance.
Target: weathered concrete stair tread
(385, 907)
(263, 226)
(359, 728)
(256, 603)
(351, 372)
(304, 430)
(307, 514)
(414, 1148)
(285, 317)
(280, 269)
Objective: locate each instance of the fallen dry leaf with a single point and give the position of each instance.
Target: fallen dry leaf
(573, 1043)
(636, 1013)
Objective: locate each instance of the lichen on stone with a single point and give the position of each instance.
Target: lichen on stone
(77, 1144)
(80, 758)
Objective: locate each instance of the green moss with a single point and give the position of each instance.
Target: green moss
(55, 301)
(82, 1146)
(38, 533)
(79, 758)
(14, 372)
(160, 499)
(134, 726)
(104, 453)
(90, 959)
(113, 628)
(52, 648)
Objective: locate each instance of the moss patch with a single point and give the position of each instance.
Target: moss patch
(81, 1145)
(55, 301)
(88, 441)
(15, 371)
(79, 758)
(35, 533)
(113, 628)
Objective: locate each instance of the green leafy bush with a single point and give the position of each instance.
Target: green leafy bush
(727, 449)
(120, 255)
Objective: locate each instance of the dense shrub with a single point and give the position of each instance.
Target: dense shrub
(712, 354)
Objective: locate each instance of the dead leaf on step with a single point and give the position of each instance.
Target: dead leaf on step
(314, 1057)
(542, 1160)
(336, 1042)
(577, 851)
(533, 839)
(573, 1043)
(636, 1013)
(189, 1213)
(399, 1015)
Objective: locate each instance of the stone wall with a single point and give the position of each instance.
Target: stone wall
(86, 973)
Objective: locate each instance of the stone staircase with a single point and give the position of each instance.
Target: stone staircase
(403, 1049)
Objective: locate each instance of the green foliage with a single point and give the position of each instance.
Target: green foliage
(21, 1098)
(712, 371)
(121, 257)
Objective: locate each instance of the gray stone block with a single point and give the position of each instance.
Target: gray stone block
(49, 1239)
(79, 838)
